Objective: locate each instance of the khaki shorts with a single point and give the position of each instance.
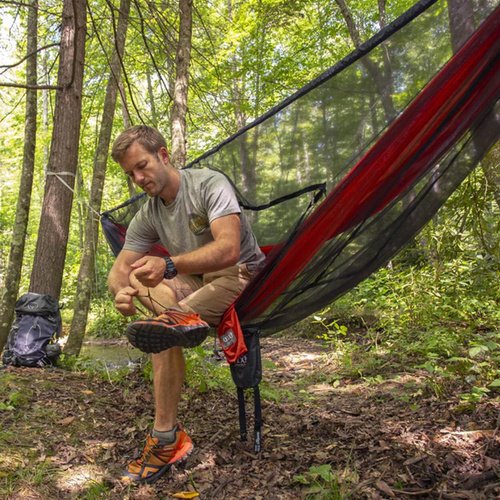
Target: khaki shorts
(210, 294)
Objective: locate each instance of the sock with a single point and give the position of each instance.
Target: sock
(165, 437)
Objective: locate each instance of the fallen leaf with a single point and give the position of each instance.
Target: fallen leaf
(88, 392)
(66, 421)
(413, 460)
(490, 463)
(384, 488)
(186, 494)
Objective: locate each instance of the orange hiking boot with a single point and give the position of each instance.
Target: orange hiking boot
(157, 459)
(171, 328)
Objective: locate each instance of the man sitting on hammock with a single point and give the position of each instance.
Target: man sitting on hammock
(195, 215)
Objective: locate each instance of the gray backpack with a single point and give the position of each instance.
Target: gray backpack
(33, 337)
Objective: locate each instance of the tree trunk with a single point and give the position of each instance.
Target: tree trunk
(80, 208)
(13, 274)
(87, 265)
(48, 266)
(179, 108)
(154, 115)
(491, 169)
(132, 191)
(248, 142)
(462, 25)
(383, 79)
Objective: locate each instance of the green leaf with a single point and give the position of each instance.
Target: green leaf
(14, 398)
(429, 367)
(474, 351)
(492, 346)
(323, 471)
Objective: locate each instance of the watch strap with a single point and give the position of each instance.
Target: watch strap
(171, 270)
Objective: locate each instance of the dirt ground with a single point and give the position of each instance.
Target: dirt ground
(401, 438)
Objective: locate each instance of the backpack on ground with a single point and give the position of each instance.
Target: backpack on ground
(33, 337)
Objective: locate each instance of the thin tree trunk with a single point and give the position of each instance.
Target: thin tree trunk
(45, 117)
(87, 265)
(491, 169)
(246, 163)
(154, 115)
(80, 209)
(462, 25)
(13, 275)
(48, 266)
(383, 80)
(132, 191)
(179, 108)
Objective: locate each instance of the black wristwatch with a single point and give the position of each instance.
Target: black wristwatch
(171, 270)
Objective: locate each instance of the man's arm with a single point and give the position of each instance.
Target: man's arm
(223, 252)
(119, 282)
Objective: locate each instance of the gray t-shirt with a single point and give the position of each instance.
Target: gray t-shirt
(184, 226)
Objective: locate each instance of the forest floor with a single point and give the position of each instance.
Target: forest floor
(66, 435)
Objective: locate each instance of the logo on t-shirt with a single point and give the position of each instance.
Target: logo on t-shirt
(198, 224)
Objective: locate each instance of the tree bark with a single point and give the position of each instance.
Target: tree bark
(462, 25)
(154, 115)
(491, 169)
(248, 142)
(48, 266)
(383, 79)
(132, 191)
(179, 108)
(87, 265)
(13, 274)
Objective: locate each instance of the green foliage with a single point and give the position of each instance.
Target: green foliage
(204, 372)
(433, 308)
(105, 321)
(94, 368)
(333, 333)
(325, 484)
(95, 491)
(12, 401)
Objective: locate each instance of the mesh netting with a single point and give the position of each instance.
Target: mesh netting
(353, 128)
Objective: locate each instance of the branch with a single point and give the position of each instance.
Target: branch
(31, 87)
(29, 55)
(19, 4)
(124, 73)
(145, 40)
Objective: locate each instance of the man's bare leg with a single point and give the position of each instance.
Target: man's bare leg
(169, 369)
(169, 366)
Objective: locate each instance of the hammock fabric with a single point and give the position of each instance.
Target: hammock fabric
(392, 130)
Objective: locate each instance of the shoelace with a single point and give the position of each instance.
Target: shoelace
(179, 317)
(146, 454)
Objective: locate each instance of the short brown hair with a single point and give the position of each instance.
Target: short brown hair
(148, 137)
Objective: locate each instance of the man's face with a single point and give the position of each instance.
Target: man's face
(148, 171)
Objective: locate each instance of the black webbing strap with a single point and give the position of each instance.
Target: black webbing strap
(321, 188)
(258, 417)
(242, 414)
(258, 420)
(246, 372)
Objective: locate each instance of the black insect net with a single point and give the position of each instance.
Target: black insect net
(391, 131)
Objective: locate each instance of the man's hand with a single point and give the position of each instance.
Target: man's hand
(149, 270)
(124, 301)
